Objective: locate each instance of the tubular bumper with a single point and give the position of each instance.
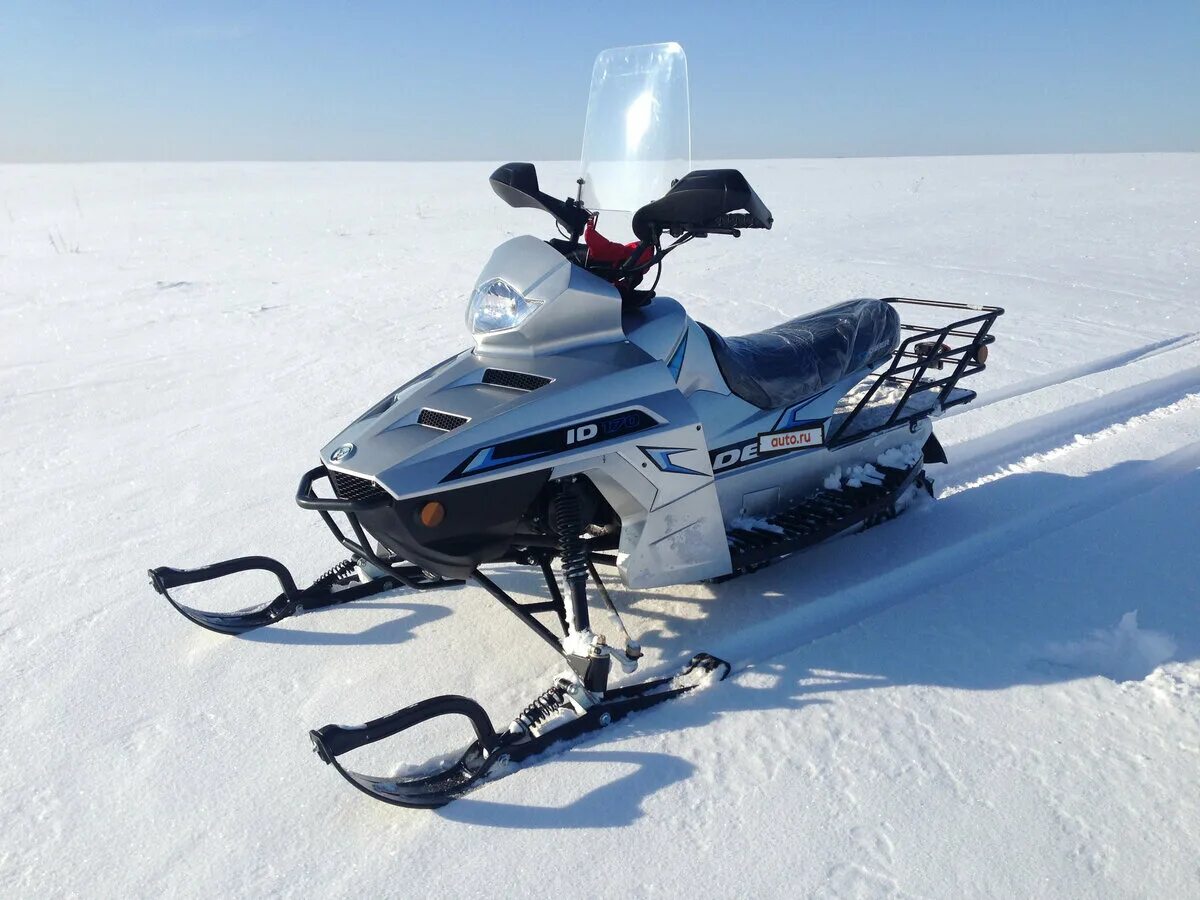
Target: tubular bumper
(360, 546)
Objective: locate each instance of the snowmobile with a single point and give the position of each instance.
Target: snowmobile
(593, 424)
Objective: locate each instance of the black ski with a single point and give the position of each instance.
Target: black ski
(338, 585)
(494, 754)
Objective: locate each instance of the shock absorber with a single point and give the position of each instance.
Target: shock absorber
(567, 520)
(590, 661)
(542, 709)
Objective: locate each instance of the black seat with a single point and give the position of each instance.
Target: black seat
(804, 356)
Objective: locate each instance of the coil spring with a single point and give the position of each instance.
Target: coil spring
(336, 573)
(543, 707)
(566, 520)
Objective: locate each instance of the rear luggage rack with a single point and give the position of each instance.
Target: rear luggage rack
(518, 381)
(432, 418)
(960, 346)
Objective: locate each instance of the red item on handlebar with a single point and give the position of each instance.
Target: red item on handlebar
(601, 249)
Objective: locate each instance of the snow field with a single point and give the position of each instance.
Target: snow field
(994, 695)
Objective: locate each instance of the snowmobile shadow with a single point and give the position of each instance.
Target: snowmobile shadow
(1028, 580)
(613, 804)
(619, 802)
(394, 631)
(1022, 580)
(1025, 580)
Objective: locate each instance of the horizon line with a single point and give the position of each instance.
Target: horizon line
(378, 160)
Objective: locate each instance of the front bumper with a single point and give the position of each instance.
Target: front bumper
(479, 523)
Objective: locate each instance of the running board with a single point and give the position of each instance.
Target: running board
(822, 515)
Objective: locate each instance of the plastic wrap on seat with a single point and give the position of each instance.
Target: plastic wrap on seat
(804, 356)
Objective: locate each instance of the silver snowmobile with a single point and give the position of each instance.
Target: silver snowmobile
(593, 423)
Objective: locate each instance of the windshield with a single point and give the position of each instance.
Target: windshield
(637, 138)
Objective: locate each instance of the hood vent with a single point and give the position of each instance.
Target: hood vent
(353, 487)
(432, 418)
(518, 381)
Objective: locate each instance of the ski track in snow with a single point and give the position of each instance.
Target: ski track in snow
(1073, 373)
(994, 695)
(1037, 460)
(963, 550)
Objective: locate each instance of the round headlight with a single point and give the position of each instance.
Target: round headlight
(497, 306)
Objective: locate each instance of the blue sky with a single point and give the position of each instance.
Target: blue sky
(445, 79)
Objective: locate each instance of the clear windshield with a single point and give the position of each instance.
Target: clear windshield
(638, 135)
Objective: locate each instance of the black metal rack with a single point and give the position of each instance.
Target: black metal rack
(924, 349)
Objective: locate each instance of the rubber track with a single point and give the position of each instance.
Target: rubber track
(824, 514)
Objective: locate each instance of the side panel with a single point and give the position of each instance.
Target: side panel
(698, 369)
(751, 490)
(657, 327)
(662, 487)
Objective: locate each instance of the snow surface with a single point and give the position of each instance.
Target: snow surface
(962, 702)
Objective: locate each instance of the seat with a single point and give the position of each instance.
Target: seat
(802, 357)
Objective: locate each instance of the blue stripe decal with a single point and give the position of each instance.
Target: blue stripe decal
(661, 457)
(675, 363)
(486, 459)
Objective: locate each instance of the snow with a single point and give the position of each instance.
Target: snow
(747, 523)
(901, 457)
(961, 702)
(1123, 653)
(857, 475)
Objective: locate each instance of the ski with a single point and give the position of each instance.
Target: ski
(342, 583)
(495, 754)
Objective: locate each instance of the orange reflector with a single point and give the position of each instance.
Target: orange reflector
(432, 514)
(981, 354)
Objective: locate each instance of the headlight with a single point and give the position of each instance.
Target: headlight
(498, 306)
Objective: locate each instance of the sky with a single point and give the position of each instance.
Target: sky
(450, 80)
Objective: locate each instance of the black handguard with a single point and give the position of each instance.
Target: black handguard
(734, 220)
